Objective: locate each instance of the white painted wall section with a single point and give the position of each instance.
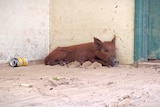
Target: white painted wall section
(24, 29)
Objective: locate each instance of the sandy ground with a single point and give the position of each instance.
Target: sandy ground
(39, 85)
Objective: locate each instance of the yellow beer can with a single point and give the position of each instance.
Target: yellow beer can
(16, 62)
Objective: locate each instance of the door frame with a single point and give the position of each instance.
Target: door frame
(141, 28)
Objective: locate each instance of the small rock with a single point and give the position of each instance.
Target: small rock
(95, 65)
(74, 64)
(26, 85)
(86, 64)
(51, 89)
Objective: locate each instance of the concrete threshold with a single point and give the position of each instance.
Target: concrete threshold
(155, 65)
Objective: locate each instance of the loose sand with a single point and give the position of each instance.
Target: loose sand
(89, 85)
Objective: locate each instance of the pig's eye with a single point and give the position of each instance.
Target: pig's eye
(106, 50)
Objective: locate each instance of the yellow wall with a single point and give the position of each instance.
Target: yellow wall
(78, 21)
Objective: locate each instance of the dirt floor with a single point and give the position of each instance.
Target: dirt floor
(39, 85)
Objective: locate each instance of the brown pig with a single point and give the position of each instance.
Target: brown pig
(97, 51)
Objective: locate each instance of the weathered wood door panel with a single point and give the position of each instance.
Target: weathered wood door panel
(154, 30)
(147, 30)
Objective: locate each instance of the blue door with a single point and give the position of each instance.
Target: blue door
(154, 30)
(147, 30)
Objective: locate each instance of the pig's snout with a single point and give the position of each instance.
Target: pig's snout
(115, 62)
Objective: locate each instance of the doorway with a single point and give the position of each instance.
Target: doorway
(147, 30)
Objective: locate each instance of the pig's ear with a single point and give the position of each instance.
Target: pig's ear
(98, 44)
(114, 39)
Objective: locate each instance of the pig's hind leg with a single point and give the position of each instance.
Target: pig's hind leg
(56, 57)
